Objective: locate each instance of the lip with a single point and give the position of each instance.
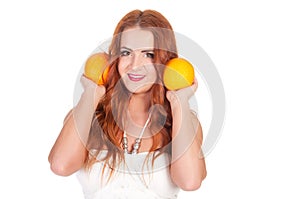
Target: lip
(135, 77)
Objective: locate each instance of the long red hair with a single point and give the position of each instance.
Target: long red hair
(106, 131)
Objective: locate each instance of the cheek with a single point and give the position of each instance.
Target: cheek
(153, 74)
(121, 67)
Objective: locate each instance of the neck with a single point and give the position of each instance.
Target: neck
(139, 104)
(138, 112)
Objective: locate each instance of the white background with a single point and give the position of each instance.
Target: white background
(255, 46)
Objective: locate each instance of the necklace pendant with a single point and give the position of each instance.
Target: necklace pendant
(136, 146)
(125, 144)
(137, 143)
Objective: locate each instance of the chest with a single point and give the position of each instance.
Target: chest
(136, 176)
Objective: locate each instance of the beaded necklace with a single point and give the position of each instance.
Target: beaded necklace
(138, 140)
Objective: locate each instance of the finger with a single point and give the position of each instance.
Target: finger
(195, 84)
(86, 82)
(170, 95)
(83, 79)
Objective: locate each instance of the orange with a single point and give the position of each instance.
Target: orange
(96, 68)
(179, 73)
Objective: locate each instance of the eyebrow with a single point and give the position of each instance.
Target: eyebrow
(146, 50)
(126, 48)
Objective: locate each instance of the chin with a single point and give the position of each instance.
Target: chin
(139, 90)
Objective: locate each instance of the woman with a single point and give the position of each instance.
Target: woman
(131, 136)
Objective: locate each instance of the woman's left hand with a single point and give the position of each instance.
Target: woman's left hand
(182, 95)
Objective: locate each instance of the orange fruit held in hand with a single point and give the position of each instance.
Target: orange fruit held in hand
(179, 73)
(96, 68)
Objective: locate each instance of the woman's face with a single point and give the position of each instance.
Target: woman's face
(136, 66)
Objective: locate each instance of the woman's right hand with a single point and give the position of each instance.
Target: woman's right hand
(92, 90)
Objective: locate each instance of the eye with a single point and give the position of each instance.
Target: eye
(149, 55)
(125, 53)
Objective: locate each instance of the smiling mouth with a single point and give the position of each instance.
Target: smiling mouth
(135, 77)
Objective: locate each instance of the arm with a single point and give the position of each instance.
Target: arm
(69, 153)
(188, 165)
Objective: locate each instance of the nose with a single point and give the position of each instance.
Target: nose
(136, 61)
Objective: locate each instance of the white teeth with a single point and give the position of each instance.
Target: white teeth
(136, 76)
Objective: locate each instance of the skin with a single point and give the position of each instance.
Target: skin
(188, 169)
(138, 75)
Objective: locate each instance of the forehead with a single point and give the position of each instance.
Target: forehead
(137, 38)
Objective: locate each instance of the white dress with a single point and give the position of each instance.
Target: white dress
(137, 178)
